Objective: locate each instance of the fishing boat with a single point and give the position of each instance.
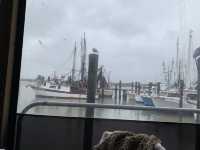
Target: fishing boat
(54, 91)
(55, 87)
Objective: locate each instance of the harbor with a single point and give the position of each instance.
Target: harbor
(27, 97)
(90, 84)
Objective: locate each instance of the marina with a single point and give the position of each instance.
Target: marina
(92, 86)
(27, 97)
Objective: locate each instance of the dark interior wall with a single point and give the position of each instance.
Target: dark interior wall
(50, 133)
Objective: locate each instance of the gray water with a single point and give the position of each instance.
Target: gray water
(27, 96)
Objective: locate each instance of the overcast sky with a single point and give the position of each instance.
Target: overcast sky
(133, 37)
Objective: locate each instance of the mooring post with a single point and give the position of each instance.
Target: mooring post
(124, 95)
(181, 87)
(158, 89)
(91, 94)
(115, 91)
(132, 84)
(150, 88)
(102, 93)
(92, 77)
(120, 90)
(102, 84)
(136, 88)
(139, 88)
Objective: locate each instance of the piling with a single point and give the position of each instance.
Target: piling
(115, 91)
(139, 88)
(91, 94)
(102, 84)
(92, 77)
(181, 88)
(150, 88)
(124, 95)
(120, 89)
(136, 87)
(132, 85)
(102, 93)
(158, 89)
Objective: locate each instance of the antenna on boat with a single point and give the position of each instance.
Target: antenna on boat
(74, 62)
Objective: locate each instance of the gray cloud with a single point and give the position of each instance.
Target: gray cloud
(133, 36)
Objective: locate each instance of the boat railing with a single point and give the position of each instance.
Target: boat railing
(89, 106)
(110, 106)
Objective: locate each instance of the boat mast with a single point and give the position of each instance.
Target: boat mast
(83, 57)
(177, 61)
(189, 60)
(74, 63)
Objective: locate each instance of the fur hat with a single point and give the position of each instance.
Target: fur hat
(124, 140)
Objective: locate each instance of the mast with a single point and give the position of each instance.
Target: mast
(74, 62)
(188, 77)
(177, 61)
(83, 57)
(164, 72)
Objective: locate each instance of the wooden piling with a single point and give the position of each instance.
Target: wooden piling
(92, 77)
(91, 94)
(124, 95)
(115, 91)
(120, 89)
(158, 89)
(181, 88)
(132, 84)
(139, 88)
(136, 88)
(150, 88)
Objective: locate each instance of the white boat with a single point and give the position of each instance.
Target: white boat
(172, 99)
(139, 99)
(53, 91)
(106, 92)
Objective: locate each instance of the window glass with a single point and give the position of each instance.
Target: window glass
(144, 50)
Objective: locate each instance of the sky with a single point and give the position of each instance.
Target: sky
(133, 37)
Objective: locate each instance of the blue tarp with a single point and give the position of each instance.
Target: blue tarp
(148, 101)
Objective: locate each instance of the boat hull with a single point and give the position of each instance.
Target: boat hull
(57, 94)
(107, 93)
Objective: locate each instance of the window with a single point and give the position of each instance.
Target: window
(144, 52)
(91, 66)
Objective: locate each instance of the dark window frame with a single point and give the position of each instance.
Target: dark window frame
(12, 14)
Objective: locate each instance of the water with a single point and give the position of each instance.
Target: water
(27, 96)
